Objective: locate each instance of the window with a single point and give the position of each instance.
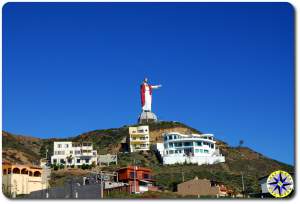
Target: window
(71, 152)
(187, 144)
(4, 171)
(199, 143)
(171, 144)
(9, 171)
(87, 161)
(59, 145)
(132, 174)
(201, 150)
(77, 152)
(16, 170)
(165, 138)
(86, 144)
(24, 171)
(178, 144)
(62, 161)
(70, 160)
(197, 150)
(170, 137)
(171, 151)
(212, 146)
(146, 176)
(78, 161)
(54, 161)
(205, 151)
(37, 174)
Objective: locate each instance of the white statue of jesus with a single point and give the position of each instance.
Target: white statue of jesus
(146, 95)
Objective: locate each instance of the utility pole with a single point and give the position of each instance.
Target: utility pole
(243, 184)
(101, 184)
(134, 175)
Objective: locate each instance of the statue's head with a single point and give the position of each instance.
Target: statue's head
(146, 80)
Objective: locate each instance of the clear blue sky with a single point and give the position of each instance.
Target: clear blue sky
(226, 69)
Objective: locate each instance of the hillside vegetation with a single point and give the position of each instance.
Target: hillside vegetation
(239, 160)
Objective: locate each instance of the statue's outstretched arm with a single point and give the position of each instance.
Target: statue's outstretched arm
(156, 86)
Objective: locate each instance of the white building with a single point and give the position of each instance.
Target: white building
(193, 148)
(139, 139)
(73, 153)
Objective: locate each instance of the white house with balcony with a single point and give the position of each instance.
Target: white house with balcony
(73, 153)
(139, 139)
(194, 148)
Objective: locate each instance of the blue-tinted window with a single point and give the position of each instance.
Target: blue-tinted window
(188, 144)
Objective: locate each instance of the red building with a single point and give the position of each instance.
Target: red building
(139, 178)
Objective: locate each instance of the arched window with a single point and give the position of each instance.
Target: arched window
(30, 173)
(9, 171)
(24, 171)
(16, 170)
(37, 174)
(4, 171)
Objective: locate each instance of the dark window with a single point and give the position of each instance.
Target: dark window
(170, 137)
(16, 171)
(37, 174)
(178, 144)
(188, 144)
(4, 171)
(146, 176)
(132, 174)
(78, 160)
(24, 171)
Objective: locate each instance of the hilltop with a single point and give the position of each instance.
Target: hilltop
(23, 149)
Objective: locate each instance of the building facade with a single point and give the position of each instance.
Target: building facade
(202, 187)
(139, 178)
(73, 153)
(193, 148)
(139, 139)
(23, 179)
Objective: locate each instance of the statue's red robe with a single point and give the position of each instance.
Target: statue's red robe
(143, 92)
